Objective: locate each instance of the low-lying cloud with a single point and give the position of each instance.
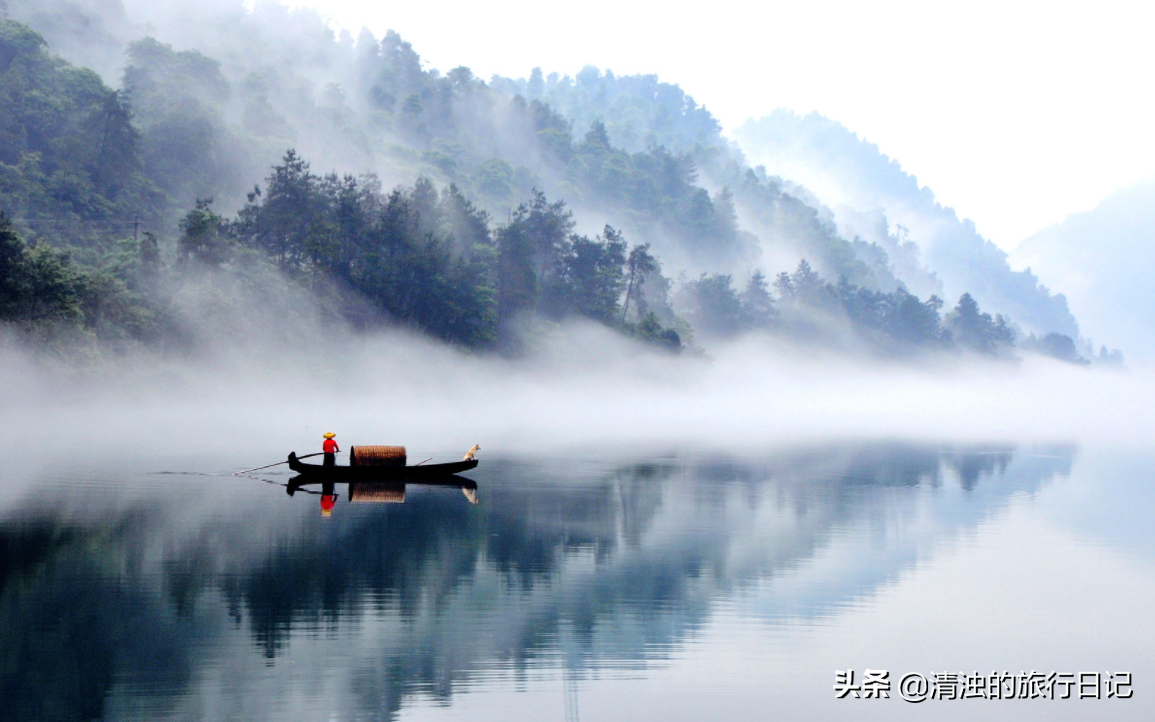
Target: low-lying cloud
(582, 389)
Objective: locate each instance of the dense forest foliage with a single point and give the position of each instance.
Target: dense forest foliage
(474, 211)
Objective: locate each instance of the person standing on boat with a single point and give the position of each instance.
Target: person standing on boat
(330, 448)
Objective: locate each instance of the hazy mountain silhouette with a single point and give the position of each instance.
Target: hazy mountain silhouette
(1100, 259)
(865, 187)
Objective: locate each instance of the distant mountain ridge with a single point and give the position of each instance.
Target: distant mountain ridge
(862, 185)
(209, 98)
(1102, 258)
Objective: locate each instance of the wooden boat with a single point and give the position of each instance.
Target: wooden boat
(341, 474)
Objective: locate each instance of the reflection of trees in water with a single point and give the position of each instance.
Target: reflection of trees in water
(322, 578)
(615, 566)
(73, 623)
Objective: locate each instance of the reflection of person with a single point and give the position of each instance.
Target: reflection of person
(327, 502)
(330, 448)
(328, 498)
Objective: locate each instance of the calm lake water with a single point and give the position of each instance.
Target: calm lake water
(676, 587)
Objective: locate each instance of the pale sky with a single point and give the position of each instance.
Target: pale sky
(1015, 113)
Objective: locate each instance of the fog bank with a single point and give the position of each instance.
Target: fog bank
(581, 389)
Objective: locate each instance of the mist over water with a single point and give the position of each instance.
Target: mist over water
(768, 512)
(581, 387)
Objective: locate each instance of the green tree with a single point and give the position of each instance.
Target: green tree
(289, 221)
(12, 251)
(204, 238)
(650, 329)
(712, 305)
(39, 286)
(914, 322)
(413, 277)
(528, 253)
(536, 83)
(517, 283)
(1062, 347)
(590, 278)
(639, 264)
(548, 225)
(757, 303)
(495, 179)
(971, 328)
(180, 99)
(807, 286)
(70, 163)
(465, 222)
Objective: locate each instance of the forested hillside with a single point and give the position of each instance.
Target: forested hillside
(876, 200)
(240, 153)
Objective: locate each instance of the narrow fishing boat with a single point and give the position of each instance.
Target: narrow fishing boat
(380, 463)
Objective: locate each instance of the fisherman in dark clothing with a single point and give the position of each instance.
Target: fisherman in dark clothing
(330, 448)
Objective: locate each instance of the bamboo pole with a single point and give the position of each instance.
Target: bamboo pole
(258, 468)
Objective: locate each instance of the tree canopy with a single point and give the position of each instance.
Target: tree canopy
(118, 199)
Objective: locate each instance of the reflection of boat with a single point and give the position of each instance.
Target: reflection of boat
(368, 492)
(383, 492)
(342, 474)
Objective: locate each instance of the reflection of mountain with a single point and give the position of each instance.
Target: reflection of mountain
(131, 597)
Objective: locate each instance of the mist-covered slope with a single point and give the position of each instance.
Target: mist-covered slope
(259, 141)
(1102, 259)
(866, 188)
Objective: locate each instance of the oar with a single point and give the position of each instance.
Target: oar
(419, 463)
(306, 456)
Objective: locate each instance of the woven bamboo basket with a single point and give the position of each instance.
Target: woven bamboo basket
(361, 493)
(377, 456)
